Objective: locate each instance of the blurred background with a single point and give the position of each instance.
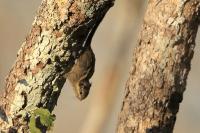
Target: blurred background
(113, 45)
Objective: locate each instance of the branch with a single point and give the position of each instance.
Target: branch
(160, 67)
(59, 35)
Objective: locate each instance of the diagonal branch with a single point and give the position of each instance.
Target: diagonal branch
(60, 33)
(160, 67)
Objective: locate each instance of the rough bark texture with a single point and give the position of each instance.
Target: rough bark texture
(160, 67)
(58, 36)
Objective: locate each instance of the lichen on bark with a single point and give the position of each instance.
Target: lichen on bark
(57, 38)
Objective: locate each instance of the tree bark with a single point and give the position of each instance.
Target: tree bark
(160, 67)
(59, 34)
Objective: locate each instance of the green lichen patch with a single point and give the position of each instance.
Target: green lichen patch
(41, 118)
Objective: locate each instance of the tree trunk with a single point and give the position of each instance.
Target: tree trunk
(59, 34)
(160, 67)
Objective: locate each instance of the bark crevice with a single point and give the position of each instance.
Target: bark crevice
(161, 63)
(57, 38)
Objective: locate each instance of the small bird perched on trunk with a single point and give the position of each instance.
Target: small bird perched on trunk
(81, 73)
